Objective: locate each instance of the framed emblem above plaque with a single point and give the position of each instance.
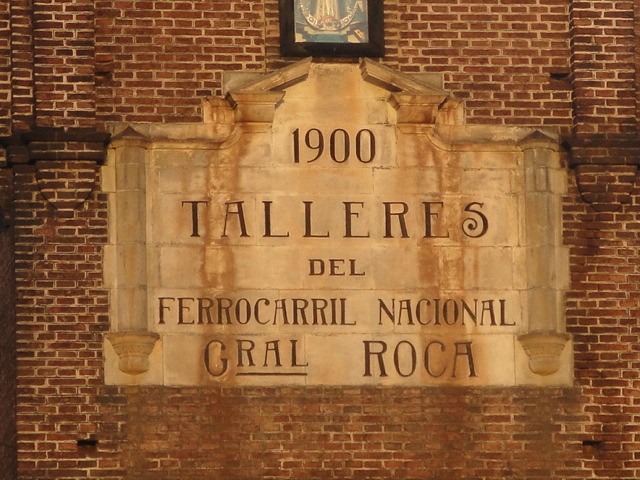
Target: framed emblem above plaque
(335, 28)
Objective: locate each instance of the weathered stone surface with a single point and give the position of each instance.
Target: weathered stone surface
(335, 237)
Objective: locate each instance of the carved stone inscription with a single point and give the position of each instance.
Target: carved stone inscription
(341, 242)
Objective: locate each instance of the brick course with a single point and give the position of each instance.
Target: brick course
(513, 64)
(7, 336)
(162, 74)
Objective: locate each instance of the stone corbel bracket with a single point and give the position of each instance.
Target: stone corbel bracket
(544, 350)
(126, 254)
(133, 350)
(547, 259)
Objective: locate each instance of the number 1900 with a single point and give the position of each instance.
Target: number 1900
(312, 144)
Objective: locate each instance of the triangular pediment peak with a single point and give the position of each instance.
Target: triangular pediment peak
(395, 81)
(254, 98)
(375, 73)
(275, 81)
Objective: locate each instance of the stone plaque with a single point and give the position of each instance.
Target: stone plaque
(335, 224)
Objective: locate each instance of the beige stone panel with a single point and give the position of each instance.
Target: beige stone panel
(558, 181)
(183, 266)
(469, 159)
(333, 144)
(407, 312)
(400, 360)
(251, 148)
(331, 91)
(108, 174)
(131, 310)
(521, 280)
(524, 324)
(172, 221)
(489, 268)
(182, 177)
(517, 181)
(300, 180)
(263, 267)
(485, 181)
(188, 311)
(537, 177)
(502, 220)
(130, 211)
(323, 222)
(318, 105)
(222, 179)
(335, 360)
(195, 267)
(541, 221)
(563, 269)
(348, 111)
(481, 268)
(416, 150)
(130, 175)
(495, 356)
(168, 158)
(471, 268)
(397, 268)
(109, 265)
(114, 376)
(420, 181)
(153, 267)
(546, 309)
(208, 311)
(449, 312)
(131, 266)
(222, 219)
(130, 153)
(451, 267)
(285, 223)
(541, 266)
(185, 362)
(563, 377)
(339, 267)
(484, 360)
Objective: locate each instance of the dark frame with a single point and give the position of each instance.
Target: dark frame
(374, 47)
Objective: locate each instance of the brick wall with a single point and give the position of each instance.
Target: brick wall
(603, 66)
(509, 61)
(7, 336)
(63, 49)
(355, 432)
(158, 59)
(5, 70)
(154, 61)
(602, 314)
(61, 316)
(21, 64)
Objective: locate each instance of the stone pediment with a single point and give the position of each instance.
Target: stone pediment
(339, 211)
(255, 98)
